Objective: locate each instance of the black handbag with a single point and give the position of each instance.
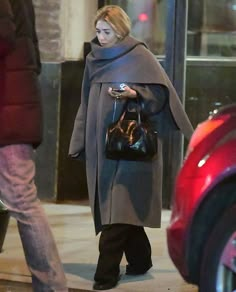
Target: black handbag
(131, 137)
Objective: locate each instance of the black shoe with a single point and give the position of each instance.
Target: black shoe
(105, 285)
(134, 271)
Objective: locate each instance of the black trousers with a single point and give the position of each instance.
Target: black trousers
(117, 239)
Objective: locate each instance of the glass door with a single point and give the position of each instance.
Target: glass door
(211, 61)
(148, 22)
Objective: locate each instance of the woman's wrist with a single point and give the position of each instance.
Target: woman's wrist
(133, 93)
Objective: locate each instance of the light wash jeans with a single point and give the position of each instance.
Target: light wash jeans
(18, 192)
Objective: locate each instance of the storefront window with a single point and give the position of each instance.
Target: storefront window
(211, 48)
(211, 62)
(211, 25)
(212, 28)
(148, 21)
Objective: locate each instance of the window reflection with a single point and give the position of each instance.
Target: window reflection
(209, 86)
(212, 28)
(211, 35)
(148, 21)
(211, 25)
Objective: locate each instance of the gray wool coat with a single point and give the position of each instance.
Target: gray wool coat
(122, 191)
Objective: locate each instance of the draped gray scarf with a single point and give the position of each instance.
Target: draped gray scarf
(130, 61)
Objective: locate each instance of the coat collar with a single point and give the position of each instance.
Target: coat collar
(119, 49)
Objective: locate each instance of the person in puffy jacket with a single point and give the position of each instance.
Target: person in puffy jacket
(20, 134)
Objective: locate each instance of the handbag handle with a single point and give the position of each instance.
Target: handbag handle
(137, 110)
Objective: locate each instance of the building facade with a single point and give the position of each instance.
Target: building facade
(195, 42)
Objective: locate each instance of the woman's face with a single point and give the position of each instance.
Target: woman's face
(105, 34)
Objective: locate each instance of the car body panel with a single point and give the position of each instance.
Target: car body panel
(211, 157)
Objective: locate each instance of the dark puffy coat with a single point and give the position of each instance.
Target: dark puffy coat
(20, 101)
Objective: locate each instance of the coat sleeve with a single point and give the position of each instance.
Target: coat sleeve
(77, 142)
(35, 38)
(7, 28)
(164, 109)
(153, 97)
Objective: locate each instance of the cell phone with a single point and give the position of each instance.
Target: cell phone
(118, 90)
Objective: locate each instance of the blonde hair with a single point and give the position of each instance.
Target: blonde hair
(116, 18)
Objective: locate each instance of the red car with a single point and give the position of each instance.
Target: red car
(201, 235)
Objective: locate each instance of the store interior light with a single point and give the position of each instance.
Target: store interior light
(143, 17)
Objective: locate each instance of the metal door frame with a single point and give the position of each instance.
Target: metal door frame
(175, 66)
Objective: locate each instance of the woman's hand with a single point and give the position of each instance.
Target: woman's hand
(127, 93)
